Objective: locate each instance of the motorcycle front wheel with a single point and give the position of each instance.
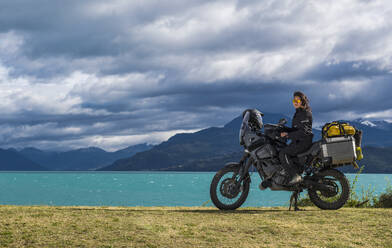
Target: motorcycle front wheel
(334, 198)
(225, 192)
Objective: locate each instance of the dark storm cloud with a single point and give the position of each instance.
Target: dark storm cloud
(198, 97)
(114, 73)
(345, 70)
(80, 29)
(75, 31)
(357, 42)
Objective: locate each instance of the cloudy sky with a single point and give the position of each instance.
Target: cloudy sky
(117, 73)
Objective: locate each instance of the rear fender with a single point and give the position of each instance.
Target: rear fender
(308, 183)
(312, 181)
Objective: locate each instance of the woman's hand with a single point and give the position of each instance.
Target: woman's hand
(284, 134)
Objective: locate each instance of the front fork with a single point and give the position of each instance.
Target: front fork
(245, 164)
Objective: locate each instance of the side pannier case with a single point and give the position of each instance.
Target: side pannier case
(341, 144)
(339, 150)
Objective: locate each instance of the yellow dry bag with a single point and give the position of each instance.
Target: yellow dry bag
(337, 128)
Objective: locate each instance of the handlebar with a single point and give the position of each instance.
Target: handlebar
(276, 130)
(281, 126)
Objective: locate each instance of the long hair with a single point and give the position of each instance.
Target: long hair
(304, 100)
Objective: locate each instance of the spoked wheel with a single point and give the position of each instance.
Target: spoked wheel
(338, 190)
(226, 192)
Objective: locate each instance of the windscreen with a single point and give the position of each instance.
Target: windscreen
(259, 119)
(244, 126)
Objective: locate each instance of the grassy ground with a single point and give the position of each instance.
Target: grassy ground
(192, 227)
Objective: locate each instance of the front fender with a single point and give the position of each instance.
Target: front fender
(238, 166)
(232, 165)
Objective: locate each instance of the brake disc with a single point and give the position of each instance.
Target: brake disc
(228, 188)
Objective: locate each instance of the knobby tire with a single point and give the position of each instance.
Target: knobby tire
(345, 191)
(214, 185)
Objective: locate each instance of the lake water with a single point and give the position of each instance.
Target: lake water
(137, 188)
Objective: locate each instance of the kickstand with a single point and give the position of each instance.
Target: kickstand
(294, 198)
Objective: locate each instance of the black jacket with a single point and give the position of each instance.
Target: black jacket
(301, 129)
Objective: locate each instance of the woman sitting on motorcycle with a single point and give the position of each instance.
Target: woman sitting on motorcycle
(300, 134)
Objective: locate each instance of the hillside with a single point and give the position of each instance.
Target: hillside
(192, 151)
(376, 160)
(90, 158)
(11, 160)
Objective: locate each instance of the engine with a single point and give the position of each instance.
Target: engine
(268, 160)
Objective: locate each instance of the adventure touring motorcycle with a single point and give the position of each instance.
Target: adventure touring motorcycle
(328, 188)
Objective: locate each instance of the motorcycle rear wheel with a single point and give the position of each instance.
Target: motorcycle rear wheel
(331, 200)
(221, 190)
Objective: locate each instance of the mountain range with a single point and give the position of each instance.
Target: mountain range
(209, 149)
(83, 159)
(206, 150)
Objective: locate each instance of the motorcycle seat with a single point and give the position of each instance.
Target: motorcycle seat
(313, 150)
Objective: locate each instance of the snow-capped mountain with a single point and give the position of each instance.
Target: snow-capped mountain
(379, 124)
(368, 123)
(375, 132)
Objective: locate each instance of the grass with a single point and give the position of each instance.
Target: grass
(43, 226)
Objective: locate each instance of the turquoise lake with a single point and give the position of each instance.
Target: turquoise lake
(138, 188)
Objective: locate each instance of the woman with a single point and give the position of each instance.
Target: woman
(300, 134)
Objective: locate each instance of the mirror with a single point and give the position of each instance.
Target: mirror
(282, 121)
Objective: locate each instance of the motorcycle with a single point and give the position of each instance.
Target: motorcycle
(327, 187)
